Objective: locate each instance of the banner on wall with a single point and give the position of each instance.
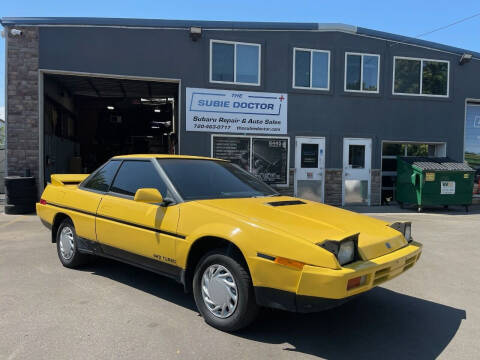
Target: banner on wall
(233, 149)
(227, 111)
(265, 157)
(269, 160)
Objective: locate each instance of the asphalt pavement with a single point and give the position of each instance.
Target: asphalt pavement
(109, 310)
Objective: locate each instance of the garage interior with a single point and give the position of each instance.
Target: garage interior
(89, 119)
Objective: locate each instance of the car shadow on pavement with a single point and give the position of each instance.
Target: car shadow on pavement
(381, 324)
(143, 280)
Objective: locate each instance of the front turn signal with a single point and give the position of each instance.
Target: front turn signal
(290, 263)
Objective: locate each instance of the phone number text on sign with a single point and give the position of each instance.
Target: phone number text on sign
(235, 112)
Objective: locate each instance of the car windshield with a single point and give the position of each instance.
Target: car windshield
(197, 179)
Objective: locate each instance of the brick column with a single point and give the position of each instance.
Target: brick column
(22, 101)
(333, 187)
(375, 187)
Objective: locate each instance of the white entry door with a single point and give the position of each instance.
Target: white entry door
(309, 168)
(357, 166)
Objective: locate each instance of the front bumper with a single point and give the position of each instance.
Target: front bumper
(321, 288)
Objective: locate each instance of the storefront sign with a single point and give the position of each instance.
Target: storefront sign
(265, 157)
(227, 111)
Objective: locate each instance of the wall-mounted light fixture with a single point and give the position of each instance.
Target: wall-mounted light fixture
(195, 33)
(465, 59)
(109, 107)
(16, 32)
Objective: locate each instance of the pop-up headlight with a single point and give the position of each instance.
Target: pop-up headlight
(344, 250)
(405, 227)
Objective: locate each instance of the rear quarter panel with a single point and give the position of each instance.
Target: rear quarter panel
(80, 205)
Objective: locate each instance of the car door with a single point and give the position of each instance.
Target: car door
(138, 232)
(85, 200)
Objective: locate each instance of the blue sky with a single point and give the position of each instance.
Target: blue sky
(407, 17)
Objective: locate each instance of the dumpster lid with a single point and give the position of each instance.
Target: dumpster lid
(436, 163)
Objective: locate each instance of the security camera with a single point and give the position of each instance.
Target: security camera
(16, 32)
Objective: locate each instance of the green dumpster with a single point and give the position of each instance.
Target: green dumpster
(433, 181)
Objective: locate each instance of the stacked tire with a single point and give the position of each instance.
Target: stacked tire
(21, 194)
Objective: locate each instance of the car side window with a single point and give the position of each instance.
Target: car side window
(134, 175)
(102, 179)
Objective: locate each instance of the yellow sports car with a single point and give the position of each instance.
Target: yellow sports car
(224, 234)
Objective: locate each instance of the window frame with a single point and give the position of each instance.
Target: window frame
(311, 72)
(421, 76)
(111, 191)
(170, 187)
(361, 73)
(82, 185)
(235, 43)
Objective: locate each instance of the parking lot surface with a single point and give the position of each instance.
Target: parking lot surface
(109, 310)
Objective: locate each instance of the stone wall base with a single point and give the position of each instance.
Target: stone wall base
(333, 187)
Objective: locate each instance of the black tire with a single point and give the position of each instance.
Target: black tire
(17, 184)
(25, 192)
(11, 181)
(246, 309)
(19, 209)
(76, 259)
(20, 200)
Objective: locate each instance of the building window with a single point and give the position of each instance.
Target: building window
(362, 72)
(234, 63)
(420, 77)
(311, 69)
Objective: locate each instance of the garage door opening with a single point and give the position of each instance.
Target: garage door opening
(87, 120)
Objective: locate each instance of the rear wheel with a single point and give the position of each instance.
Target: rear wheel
(224, 292)
(67, 245)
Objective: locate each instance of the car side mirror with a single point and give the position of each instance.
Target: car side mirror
(149, 196)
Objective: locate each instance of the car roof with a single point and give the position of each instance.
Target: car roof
(163, 156)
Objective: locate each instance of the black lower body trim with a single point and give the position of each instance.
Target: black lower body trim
(159, 267)
(289, 301)
(86, 246)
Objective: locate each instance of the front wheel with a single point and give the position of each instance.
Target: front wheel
(224, 292)
(67, 245)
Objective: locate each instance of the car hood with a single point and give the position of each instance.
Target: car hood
(314, 222)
